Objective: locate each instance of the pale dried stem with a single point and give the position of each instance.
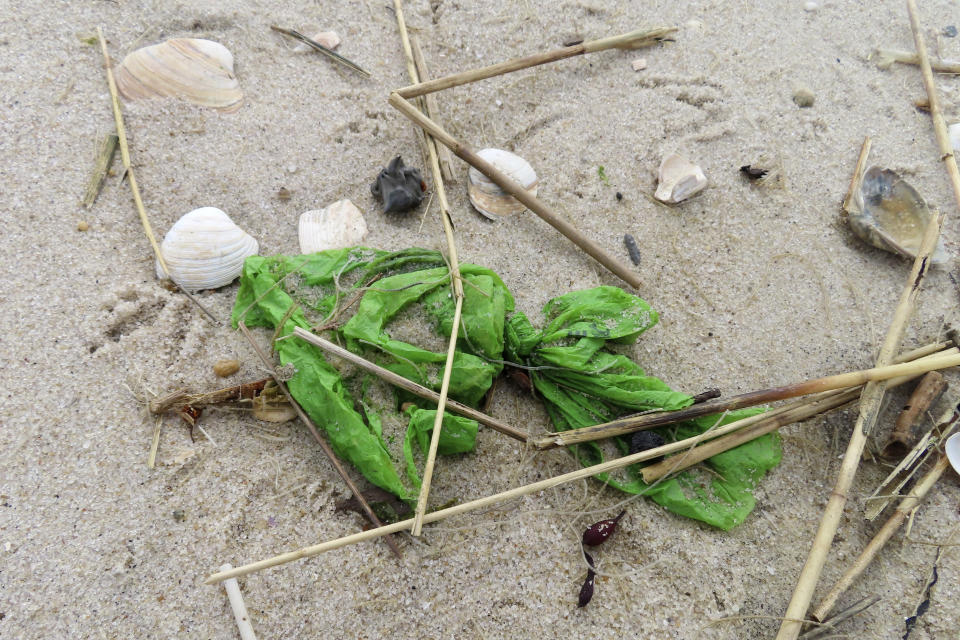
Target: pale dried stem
(857, 174)
(108, 149)
(327, 450)
(431, 108)
(888, 56)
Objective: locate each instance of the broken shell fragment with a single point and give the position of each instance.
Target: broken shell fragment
(226, 368)
(487, 197)
(678, 180)
(335, 227)
(953, 451)
(328, 39)
(889, 214)
(192, 69)
(205, 250)
(399, 188)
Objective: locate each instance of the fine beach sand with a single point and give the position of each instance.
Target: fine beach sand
(755, 286)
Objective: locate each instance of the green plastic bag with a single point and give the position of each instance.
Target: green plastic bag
(580, 381)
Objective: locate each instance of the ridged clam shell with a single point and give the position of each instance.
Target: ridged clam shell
(488, 198)
(678, 180)
(205, 250)
(337, 226)
(889, 214)
(192, 69)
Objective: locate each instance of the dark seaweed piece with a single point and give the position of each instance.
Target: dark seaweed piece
(399, 188)
(586, 591)
(632, 248)
(753, 173)
(600, 531)
(619, 196)
(643, 440)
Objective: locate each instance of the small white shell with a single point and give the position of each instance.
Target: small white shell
(889, 214)
(192, 69)
(954, 131)
(953, 451)
(329, 39)
(335, 227)
(488, 198)
(679, 179)
(205, 250)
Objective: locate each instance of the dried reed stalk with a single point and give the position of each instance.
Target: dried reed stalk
(327, 450)
(857, 174)
(131, 178)
(108, 149)
(431, 107)
(886, 57)
(455, 284)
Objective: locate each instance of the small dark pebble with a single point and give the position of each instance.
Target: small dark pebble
(586, 591)
(632, 248)
(600, 531)
(950, 31)
(643, 440)
(753, 173)
(179, 515)
(619, 196)
(399, 188)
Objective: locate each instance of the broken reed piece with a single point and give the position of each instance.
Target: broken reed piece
(324, 446)
(411, 386)
(909, 426)
(907, 505)
(236, 393)
(753, 398)
(886, 57)
(239, 608)
(547, 214)
(830, 625)
(432, 108)
(322, 49)
(131, 178)
(456, 286)
(105, 154)
(465, 507)
(631, 40)
(858, 172)
(873, 392)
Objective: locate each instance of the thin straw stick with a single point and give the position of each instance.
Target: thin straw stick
(828, 626)
(753, 398)
(108, 149)
(886, 57)
(908, 504)
(322, 49)
(239, 608)
(936, 112)
(466, 507)
(154, 444)
(125, 155)
(857, 174)
(431, 108)
(410, 385)
(327, 450)
(632, 40)
(455, 283)
(870, 402)
(617, 267)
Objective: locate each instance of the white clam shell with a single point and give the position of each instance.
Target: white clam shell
(199, 71)
(889, 214)
(205, 250)
(488, 198)
(679, 179)
(335, 227)
(953, 451)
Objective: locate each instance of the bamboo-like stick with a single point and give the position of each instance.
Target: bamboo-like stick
(466, 507)
(753, 398)
(239, 608)
(108, 149)
(431, 108)
(870, 401)
(131, 178)
(631, 40)
(909, 428)
(936, 112)
(507, 184)
(327, 450)
(455, 284)
(411, 386)
(908, 504)
(857, 174)
(827, 626)
(886, 57)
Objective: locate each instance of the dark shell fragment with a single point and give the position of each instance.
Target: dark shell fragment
(399, 188)
(753, 173)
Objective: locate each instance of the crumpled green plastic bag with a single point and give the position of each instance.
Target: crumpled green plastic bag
(581, 385)
(580, 381)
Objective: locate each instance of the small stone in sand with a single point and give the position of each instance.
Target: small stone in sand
(639, 64)
(950, 31)
(82, 225)
(810, 6)
(179, 515)
(803, 97)
(225, 368)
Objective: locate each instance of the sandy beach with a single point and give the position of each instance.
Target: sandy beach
(756, 286)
